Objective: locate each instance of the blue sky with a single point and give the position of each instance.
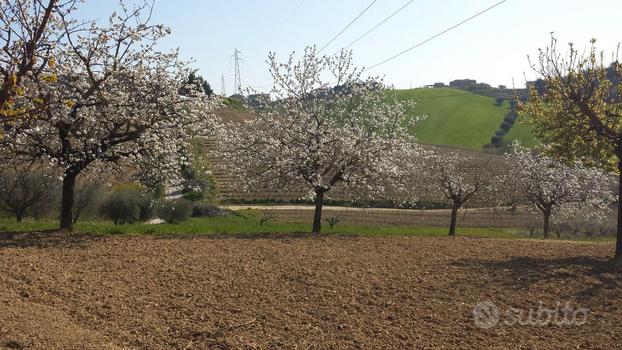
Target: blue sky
(493, 48)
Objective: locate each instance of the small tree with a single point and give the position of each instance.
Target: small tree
(319, 134)
(551, 185)
(197, 82)
(575, 108)
(21, 190)
(122, 207)
(88, 196)
(457, 177)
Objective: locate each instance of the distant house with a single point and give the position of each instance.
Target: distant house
(464, 84)
(258, 100)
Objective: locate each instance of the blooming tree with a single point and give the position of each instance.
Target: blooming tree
(457, 177)
(327, 127)
(116, 101)
(576, 220)
(28, 32)
(551, 185)
(579, 114)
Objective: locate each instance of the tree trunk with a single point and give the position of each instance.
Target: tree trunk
(66, 212)
(317, 216)
(18, 216)
(454, 220)
(547, 222)
(618, 254)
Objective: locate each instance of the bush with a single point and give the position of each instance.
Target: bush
(510, 118)
(174, 211)
(501, 132)
(122, 207)
(506, 125)
(193, 196)
(88, 199)
(496, 140)
(146, 206)
(25, 193)
(208, 210)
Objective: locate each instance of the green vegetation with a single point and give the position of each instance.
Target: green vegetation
(522, 133)
(247, 223)
(461, 119)
(234, 104)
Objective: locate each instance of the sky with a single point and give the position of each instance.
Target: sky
(492, 48)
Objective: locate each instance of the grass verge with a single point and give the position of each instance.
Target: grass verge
(247, 223)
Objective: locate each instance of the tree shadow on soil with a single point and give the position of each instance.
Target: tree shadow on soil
(596, 275)
(46, 239)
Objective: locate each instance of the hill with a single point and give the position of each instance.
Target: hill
(461, 119)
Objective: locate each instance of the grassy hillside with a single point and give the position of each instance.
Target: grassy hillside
(458, 118)
(523, 134)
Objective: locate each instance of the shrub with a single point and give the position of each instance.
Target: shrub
(496, 140)
(174, 211)
(26, 193)
(208, 210)
(510, 118)
(193, 195)
(122, 207)
(146, 206)
(506, 125)
(88, 199)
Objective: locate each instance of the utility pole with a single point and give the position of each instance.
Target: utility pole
(237, 57)
(223, 91)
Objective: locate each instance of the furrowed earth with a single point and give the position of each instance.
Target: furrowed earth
(299, 292)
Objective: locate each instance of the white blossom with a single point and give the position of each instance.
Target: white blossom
(319, 135)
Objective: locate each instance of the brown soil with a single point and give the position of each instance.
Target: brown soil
(60, 291)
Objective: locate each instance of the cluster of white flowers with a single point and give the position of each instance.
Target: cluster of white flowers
(319, 135)
(453, 175)
(560, 191)
(325, 128)
(115, 98)
(112, 98)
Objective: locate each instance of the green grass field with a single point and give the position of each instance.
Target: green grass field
(248, 224)
(460, 119)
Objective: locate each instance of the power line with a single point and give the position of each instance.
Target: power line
(379, 24)
(435, 36)
(289, 16)
(348, 26)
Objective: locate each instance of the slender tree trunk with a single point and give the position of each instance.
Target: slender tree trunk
(317, 216)
(18, 216)
(547, 222)
(454, 220)
(66, 212)
(618, 254)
